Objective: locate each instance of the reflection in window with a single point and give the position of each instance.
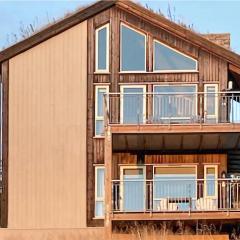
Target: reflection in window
(133, 50)
(102, 58)
(99, 192)
(133, 105)
(168, 59)
(174, 184)
(175, 103)
(99, 109)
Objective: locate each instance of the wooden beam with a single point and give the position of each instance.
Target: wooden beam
(176, 216)
(234, 69)
(108, 183)
(4, 195)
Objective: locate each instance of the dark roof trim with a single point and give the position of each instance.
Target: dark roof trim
(55, 29)
(179, 31)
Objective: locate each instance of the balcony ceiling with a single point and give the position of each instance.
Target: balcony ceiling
(176, 141)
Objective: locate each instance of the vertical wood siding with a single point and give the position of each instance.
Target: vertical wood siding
(47, 133)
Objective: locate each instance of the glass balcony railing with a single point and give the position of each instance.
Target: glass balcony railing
(172, 108)
(176, 195)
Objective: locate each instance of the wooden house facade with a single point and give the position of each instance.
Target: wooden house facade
(116, 115)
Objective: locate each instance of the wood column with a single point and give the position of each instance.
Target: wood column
(4, 194)
(108, 183)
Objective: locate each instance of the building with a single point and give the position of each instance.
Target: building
(115, 115)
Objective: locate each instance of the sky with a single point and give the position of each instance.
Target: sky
(206, 16)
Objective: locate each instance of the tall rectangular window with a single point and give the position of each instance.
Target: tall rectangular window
(99, 192)
(102, 49)
(99, 108)
(133, 104)
(211, 102)
(133, 50)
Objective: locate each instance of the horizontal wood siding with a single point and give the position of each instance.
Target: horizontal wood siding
(47, 133)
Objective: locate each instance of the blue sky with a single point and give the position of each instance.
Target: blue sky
(206, 16)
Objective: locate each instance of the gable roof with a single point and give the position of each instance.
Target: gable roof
(131, 7)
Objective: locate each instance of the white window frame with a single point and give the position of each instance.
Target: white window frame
(122, 168)
(107, 49)
(172, 71)
(215, 196)
(215, 116)
(99, 118)
(145, 36)
(122, 87)
(99, 199)
(178, 85)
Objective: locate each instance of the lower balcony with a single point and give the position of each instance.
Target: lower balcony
(162, 199)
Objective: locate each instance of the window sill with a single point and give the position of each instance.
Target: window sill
(98, 218)
(98, 137)
(102, 73)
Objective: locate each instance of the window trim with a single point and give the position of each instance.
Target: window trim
(170, 85)
(107, 49)
(145, 36)
(98, 199)
(99, 118)
(122, 87)
(177, 51)
(122, 167)
(215, 116)
(206, 196)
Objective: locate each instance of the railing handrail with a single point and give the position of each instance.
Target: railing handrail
(172, 93)
(172, 179)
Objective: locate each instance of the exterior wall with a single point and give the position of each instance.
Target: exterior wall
(47, 133)
(212, 69)
(52, 234)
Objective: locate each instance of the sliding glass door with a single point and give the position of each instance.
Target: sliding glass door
(133, 189)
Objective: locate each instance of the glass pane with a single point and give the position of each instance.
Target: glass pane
(100, 182)
(99, 127)
(176, 186)
(133, 105)
(210, 181)
(133, 50)
(102, 49)
(133, 189)
(211, 100)
(100, 101)
(174, 102)
(235, 110)
(99, 209)
(168, 59)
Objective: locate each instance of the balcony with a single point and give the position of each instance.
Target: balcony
(175, 197)
(176, 108)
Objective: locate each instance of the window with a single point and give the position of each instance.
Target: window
(102, 49)
(99, 109)
(176, 103)
(133, 104)
(133, 50)
(99, 192)
(167, 59)
(211, 102)
(174, 184)
(133, 188)
(210, 176)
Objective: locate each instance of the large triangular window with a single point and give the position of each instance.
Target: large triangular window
(167, 59)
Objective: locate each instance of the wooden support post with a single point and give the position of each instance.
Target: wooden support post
(4, 194)
(108, 183)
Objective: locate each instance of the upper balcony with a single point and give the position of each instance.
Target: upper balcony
(135, 108)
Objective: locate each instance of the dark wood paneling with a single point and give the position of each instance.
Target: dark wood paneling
(98, 144)
(4, 196)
